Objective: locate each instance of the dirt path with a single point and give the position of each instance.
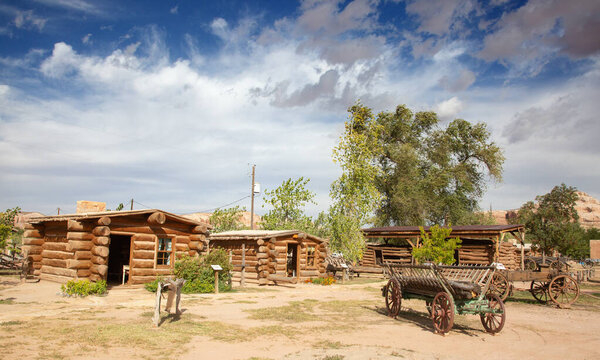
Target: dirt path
(299, 322)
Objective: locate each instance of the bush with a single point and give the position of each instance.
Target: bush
(152, 286)
(83, 287)
(321, 281)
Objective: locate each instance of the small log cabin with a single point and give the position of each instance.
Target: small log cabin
(481, 245)
(270, 257)
(102, 245)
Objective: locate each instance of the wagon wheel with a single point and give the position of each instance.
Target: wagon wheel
(588, 264)
(557, 265)
(494, 322)
(393, 297)
(539, 290)
(442, 313)
(563, 290)
(530, 264)
(499, 286)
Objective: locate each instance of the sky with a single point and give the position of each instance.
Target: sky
(170, 102)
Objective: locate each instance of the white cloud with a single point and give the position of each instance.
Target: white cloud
(28, 20)
(78, 5)
(174, 10)
(86, 39)
(448, 109)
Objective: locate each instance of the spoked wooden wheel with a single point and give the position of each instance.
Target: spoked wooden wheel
(530, 264)
(442, 313)
(563, 290)
(393, 298)
(494, 322)
(558, 265)
(499, 286)
(539, 290)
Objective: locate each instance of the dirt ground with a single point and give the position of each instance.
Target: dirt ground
(342, 321)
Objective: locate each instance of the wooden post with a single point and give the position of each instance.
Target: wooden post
(216, 281)
(156, 317)
(243, 277)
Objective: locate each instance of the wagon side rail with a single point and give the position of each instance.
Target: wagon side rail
(419, 279)
(480, 275)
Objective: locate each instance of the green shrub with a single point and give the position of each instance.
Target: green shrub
(83, 287)
(152, 286)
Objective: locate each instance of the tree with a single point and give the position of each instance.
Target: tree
(354, 193)
(437, 248)
(552, 221)
(227, 219)
(288, 202)
(7, 228)
(431, 175)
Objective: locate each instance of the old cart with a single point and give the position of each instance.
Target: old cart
(547, 284)
(447, 290)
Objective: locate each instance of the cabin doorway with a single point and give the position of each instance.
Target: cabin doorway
(118, 256)
(291, 268)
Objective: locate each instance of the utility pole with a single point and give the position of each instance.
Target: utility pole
(131, 204)
(58, 211)
(252, 200)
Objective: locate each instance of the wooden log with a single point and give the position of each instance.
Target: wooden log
(75, 245)
(37, 265)
(282, 279)
(142, 263)
(83, 273)
(273, 240)
(199, 229)
(182, 239)
(32, 234)
(58, 271)
(144, 238)
(197, 237)
(36, 258)
(101, 240)
(260, 242)
(196, 245)
(33, 241)
(100, 251)
(53, 278)
(309, 273)
(261, 256)
(262, 249)
(263, 273)
(157, 218)
(104, 221)
(74, 225)
(181, 247)
(144, 245)
(263, 261)
(82, 255)
(101, 231)
(142, 279)
(78, 264)
(28, 226)
(54, 262)
(79, 236)
(99, 269)
(51, 254)
(99, 260)
(60, 246)
(263, 281)
(143, 254)
(151, 272)
(95, 277)
(273, 253)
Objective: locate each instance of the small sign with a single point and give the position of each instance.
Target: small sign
(216, 267)
(344, 266)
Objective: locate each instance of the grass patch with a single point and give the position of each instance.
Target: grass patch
(296, 311)
(328, 344)
(245, 302)
(8, 301)
(11, 323)
(333, 357)
(361, 281)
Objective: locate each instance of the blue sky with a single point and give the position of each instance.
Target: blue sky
(168, 102)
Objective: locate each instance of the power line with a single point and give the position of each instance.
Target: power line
(231, 203)
(146, 206)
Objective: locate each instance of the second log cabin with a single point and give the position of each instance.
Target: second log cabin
(104, 245)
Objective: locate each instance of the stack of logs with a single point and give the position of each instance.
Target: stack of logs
(99, 249)
(475, 254)
(266, 260)
(33, 245)
(508, 256)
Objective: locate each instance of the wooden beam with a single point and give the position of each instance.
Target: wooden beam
(157, 218)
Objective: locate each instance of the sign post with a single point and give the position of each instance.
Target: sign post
(216, 269)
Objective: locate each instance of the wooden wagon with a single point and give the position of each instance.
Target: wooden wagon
(447, 290)
(547, 284)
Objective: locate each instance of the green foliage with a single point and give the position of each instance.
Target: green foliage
(200, 276)
(287, 204)
(552, 221)
(321, 280)
(152, 286)
(437, 248)
(84, 287)
(227, 219)
(431, 175)
(354, 194)
(7, 230)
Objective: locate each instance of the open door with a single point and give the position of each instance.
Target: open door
(291, 269)
(118, 256)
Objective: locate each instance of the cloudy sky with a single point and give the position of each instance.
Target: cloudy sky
(169, 102)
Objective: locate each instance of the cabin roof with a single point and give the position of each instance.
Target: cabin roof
(260, 234)
(96, 215)
(472, 230)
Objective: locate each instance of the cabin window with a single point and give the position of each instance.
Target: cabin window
(165, 251)
(310, 256)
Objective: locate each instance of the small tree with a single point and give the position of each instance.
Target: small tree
(7, 226)
(437, 248)
(227, 219)
(552, 221)
(287, 202)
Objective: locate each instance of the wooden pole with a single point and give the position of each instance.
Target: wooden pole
(216, 281)
(252, 200)
(243, 278)
(131, 204)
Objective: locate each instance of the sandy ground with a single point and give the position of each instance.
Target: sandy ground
(296, 322)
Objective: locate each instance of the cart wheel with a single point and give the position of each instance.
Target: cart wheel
(588, 264)
(563, 290)
(393, 297)
(530, 264)
(557, 265)
(539, 290)
(442, 313)
(499, 286)
(494, 322)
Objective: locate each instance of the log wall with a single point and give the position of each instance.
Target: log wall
(476, 253)
(397, 254)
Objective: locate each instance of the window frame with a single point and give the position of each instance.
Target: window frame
(157, 251)
(313, 256)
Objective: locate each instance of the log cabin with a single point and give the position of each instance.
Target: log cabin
(481, 245)
(104, 245)
(271, 257)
